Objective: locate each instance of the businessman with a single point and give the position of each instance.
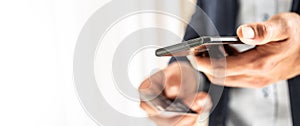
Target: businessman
(262, 84)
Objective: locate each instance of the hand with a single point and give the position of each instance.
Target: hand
(276, 55)
(178, 80)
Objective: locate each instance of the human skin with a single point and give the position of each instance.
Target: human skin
(178, 80)
(276, 57)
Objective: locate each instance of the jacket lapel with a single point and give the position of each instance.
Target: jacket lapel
(296, 6)
(294, 88)
(294, 83)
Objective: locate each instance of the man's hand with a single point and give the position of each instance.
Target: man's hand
(275, 57)
(178, 80)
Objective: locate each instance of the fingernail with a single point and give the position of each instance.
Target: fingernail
(173, 89)
(248, 32)
(202, 102)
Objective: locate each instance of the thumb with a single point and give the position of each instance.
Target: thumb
(275, 29)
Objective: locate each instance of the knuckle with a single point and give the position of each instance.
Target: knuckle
(173, 79)
(142, 106)
(144, 85)
(262, 30)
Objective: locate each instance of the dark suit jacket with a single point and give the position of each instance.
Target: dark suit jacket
(223, 14)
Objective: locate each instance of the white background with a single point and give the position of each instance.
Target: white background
(37, 40)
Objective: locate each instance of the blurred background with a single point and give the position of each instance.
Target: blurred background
(37, 43)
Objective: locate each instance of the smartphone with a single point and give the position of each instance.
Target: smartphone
(184, 48)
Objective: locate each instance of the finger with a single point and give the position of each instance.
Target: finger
(199, 103)
(274, 29)
(243, 81)
(204, 61)
(249, 62)
(230, 81)
(153, 84)
(199, 51)
(181, 80)
(148, 109)
(246, 81)
(173, 80)
(203, 64)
